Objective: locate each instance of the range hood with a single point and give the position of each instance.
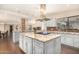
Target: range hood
(43, 13)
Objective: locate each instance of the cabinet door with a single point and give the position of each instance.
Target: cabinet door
(58, 45)
(50, 47)
(69, 39)
(28, 45)
(37, 47)
(63, 39)
(21, 41)
(37, 50)
(16, 36)
(76, 41)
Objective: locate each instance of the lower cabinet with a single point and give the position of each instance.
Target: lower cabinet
(34, 46)
(58, 45)
(49, 47)
(16, 36)
(21, 42)
(76, 41)
(38, 47)
(27, 44)
(70, 39)
(66, 39)
(37, 50)
(63, 39)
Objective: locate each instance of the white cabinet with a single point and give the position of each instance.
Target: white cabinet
(49, 47)
(28, 45)
(16, 36)
(38, 47)
(76, 41)
(21, 41)
(34, 46)
(58, 45)
(53, 46)
(63, 38)
(25, 43)
(69, 39)
(37, 50)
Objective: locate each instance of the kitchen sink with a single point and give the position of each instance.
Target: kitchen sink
(43, 33)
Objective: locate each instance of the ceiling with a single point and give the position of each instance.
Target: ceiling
(12, 12)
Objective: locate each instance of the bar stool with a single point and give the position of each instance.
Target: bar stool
(3, 35)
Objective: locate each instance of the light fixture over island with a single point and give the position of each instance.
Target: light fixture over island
(42, 42)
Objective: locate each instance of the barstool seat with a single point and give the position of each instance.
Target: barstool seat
(0, 34)
(4, 34)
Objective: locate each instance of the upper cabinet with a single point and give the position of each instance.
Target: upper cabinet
(71, 22)
(74, 19)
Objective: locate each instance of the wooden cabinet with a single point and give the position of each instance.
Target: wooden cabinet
(23, 25)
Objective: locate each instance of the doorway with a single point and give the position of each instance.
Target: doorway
(11, 30)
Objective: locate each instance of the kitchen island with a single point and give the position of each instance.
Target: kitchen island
(32, 43)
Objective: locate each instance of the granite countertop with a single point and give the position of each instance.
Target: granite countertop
(64, 32)
(41, 37)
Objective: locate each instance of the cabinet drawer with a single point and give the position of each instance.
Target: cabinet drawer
(37, 43)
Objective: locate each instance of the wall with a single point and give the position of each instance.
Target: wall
(66, 14)
(2, 27)
(74, 24)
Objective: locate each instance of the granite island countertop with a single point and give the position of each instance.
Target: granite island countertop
(41, 37)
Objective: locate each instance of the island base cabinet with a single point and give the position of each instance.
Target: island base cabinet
(34, 46)
(38, 47)
(53, 46)
(25, 44)
(49, 47)
(58, 45)
(37, 50)
(28, 45)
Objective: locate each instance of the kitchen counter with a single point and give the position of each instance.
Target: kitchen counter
(66, 30)
(32, 43)
(41, 37)
(62, 32)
